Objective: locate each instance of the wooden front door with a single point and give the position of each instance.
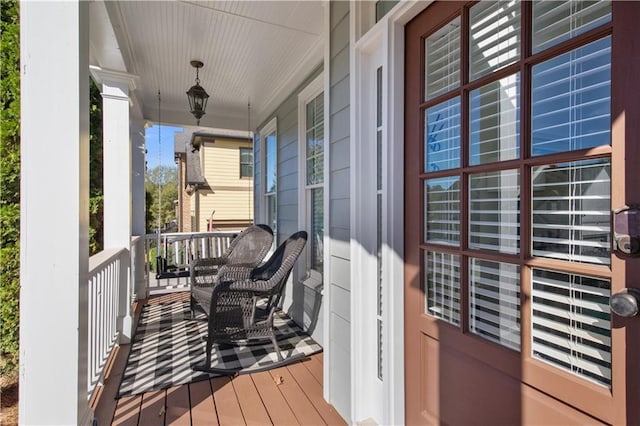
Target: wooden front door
(521, 139)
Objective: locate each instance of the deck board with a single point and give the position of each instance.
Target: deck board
(313, 390)
(276, 405)
(229, 411)
(250, 402)
(315, 368)
(303, 409)
(152, 410)
(203, 407)
(254, 399)
(178, 407)
(127, 411)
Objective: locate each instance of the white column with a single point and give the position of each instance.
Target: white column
(54, 212)
(117, 154)
(138, 210)
(138, 158)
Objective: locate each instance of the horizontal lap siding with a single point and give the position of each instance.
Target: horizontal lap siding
(230, 196)
(339, 210)
(295, 301)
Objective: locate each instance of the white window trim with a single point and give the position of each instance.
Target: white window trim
(310, 277)
(385, 37)
(266, 130)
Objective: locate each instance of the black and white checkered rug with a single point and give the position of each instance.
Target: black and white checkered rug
(167, 345)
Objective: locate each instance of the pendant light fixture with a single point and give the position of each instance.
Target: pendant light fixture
(197, 95)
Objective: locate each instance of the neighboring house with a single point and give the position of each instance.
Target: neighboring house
(215, 174)
(456, 164)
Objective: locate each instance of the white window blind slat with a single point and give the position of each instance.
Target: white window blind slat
(568, 300)
(571, 100)
(589, 351)
(557, 327)
(442, 286)
(507, 337)
(442, 208)
(571, 323)
(571, 211)
(442, 136)
(494, 36)
(577, 364)
(494, 301)
(442, 60)
(494, 211)
(494, 129)
(557, 21)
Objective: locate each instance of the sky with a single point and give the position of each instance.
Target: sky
(165, 148)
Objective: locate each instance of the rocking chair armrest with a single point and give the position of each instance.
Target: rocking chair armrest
(258, 287)
(235, 272)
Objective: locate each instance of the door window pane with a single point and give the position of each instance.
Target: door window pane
(557, 21)
(270, 163)
(571, 100)
(270, 201)
(442, 60)
(442, 136)
(442, 282)
(494, 40)
(442, 208)
(494, 301)
(494, 211)
(571, 323)
(571, 217)
(317, 228)
(495, 121)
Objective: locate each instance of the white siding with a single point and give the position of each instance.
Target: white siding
(303, 304)
(339, 212)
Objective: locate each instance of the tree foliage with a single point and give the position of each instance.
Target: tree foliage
(161, 187)
(9, 184)
(96, 198)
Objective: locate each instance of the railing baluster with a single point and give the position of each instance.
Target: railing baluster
(104, 277)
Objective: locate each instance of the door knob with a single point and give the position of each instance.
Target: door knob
(626, 303)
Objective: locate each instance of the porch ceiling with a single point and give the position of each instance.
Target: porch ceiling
(252, 50)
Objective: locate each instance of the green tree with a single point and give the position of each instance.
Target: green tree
(9, 184)
(96, 198)
(161, 187)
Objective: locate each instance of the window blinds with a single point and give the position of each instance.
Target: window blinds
(557, 21)
(494, 301)
(571, 323)
(571, 217)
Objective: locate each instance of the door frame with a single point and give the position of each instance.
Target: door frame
(385, 404)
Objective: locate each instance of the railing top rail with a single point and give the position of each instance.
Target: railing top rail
(188, 235)
(103, 258)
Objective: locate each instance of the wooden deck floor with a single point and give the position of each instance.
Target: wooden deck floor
(290, 395)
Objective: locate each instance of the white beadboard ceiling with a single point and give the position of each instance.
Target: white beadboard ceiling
(252, 51)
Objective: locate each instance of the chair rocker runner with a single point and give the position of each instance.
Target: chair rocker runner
(248, 250)
(244, 301)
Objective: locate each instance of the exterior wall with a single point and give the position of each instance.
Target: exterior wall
(184, 204)
(227, 193)
(299, 300)
(339, 211)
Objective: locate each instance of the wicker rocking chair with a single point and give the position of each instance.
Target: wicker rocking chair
(248, 250)
(244, 301)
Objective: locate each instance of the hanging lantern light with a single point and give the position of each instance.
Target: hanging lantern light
(197, 95)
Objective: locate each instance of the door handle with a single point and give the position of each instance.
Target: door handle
(626, 302)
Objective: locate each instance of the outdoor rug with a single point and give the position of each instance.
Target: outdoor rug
(167, 345)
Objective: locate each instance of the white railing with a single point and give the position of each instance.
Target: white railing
(169, 256)
(107, 271)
